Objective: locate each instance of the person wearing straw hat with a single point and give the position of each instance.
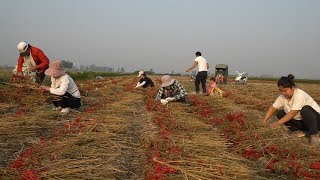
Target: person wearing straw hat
(202, 74)
(171, 90)
(34, 60)
(64, 87)
(144, 80)
(297, 110)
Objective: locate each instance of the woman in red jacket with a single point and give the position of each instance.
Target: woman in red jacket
(34, 59)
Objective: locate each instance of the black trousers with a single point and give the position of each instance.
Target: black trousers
(310, 122)
(201, 78)
(67, 100)
(39, 77)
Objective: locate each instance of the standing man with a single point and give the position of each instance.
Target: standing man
(34, 59)
(201, 77)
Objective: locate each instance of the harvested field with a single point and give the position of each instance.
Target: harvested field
(122, 133)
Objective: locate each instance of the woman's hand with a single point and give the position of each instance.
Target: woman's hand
(269, 113)
(33, 68)
(275, 125)
(169, 99)
(265, 121)
(47, 88)
(163, 101)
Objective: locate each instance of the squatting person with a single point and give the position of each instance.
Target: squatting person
(296, 109)
(63, 86)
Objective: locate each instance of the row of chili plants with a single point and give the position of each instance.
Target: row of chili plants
(161, 148)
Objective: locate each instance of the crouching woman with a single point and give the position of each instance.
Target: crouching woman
(63, 86)
(296, 109)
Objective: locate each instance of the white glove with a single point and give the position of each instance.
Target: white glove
(170, 99)
(163, 101)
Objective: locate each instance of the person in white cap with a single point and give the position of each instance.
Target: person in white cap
(144, 80)
(202, 74)
(64, 87)
(34, 59)
(171, 90)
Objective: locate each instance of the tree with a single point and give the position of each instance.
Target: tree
(67, 64)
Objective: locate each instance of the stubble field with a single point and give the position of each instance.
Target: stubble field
(123, 133)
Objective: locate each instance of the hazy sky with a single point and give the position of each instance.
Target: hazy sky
(257, 36)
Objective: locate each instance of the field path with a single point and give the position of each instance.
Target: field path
(138, 127)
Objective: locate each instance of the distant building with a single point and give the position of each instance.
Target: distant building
(95, 68)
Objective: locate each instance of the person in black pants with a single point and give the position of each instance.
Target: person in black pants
(202, 74)
(67, 94)
(295, 109)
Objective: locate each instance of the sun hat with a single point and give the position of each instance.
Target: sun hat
(56, 69)
(141, 73)
(22, 47)
(167, 80)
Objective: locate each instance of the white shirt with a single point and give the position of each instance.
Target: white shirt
(202, 63)
(63, 84)
(298, 100)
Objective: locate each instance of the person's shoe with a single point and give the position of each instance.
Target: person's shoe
(297, 134)
(57, 108)
(65, 111)
(315, 140)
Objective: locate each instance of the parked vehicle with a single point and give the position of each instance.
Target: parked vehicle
(221, 73)
(242, 78)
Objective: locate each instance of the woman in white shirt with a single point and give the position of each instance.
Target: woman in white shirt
(63, 86)
(298, 110)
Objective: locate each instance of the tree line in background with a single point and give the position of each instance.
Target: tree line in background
(92, 67)
(67, 64)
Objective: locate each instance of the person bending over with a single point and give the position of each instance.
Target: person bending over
(171, 90)
(296, 109)
(144, 81)
(31, 62)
